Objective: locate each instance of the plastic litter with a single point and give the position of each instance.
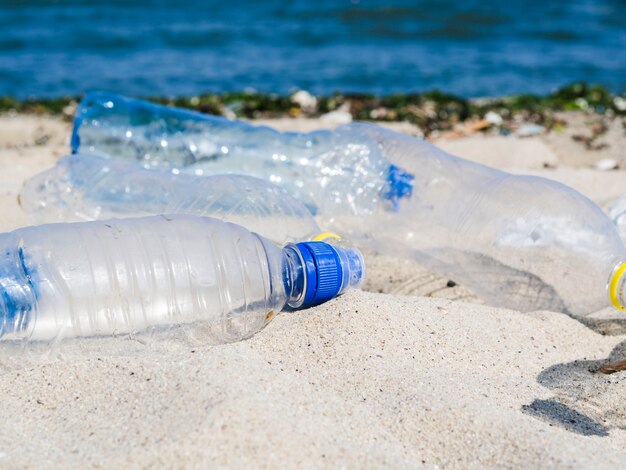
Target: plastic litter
(158, 274)
(160, 137)
(617, 212)
(606, 164)
(82, 188)
(521, 242)
(529, 130)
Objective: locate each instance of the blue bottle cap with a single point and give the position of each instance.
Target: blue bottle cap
(323, 271)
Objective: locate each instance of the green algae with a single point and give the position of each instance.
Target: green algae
(431, 111)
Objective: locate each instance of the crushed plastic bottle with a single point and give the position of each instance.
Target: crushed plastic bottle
(329, 172)
(82, 188)
(521, 242)
(157, 273)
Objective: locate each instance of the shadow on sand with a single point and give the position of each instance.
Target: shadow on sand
(586, 402)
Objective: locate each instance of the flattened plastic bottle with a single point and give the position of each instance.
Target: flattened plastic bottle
(328, 171)
(520, 242)
(82, 188)
(156, 274)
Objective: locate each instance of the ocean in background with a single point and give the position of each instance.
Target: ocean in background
(170, 48)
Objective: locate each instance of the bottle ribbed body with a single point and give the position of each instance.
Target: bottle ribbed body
(135, 275)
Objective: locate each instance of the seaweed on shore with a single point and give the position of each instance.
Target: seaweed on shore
(432, 111)
(53, 106)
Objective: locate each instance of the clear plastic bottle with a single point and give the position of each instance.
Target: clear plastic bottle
(617, 213)
(329, 172)
(521, 242)
(154, 273)
(81, 188)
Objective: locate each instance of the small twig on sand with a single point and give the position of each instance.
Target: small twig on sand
(612, 367)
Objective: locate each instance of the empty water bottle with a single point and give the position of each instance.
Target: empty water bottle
(83, 188)
(617, 213)
(329, 171)
(522, 242)
(155, 273)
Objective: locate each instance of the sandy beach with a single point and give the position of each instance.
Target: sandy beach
(406, 373)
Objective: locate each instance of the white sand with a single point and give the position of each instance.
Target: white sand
(366, 380)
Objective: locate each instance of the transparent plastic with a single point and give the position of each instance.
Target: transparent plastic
(328, 171)
(81, 188)
(134, 275)
(617, 213)
(521, 242)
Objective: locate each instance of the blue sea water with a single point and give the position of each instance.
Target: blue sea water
(185, 47)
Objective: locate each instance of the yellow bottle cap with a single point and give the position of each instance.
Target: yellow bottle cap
(325, 236)
(616, 286)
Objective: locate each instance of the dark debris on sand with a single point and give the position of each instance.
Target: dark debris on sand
(434, 112)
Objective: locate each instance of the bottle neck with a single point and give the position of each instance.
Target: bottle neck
(317, 271)
(294, 277)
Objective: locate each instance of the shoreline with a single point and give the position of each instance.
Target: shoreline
(430, 111)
